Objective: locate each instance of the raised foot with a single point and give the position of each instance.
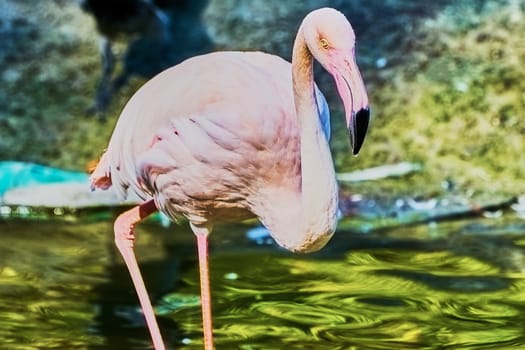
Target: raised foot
(125, 239)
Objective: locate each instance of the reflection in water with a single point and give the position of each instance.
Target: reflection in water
(63, 287)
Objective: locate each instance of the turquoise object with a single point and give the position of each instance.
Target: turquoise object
(21, 174)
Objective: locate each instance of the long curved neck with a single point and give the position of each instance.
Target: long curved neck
(319, 197)
(304, 221)
(319, 186)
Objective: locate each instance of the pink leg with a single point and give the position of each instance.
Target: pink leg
(124, 239)
(202, 246)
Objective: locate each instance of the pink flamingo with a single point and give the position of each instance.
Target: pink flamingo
(233, 135)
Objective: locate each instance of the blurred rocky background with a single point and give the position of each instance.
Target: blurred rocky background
(445, 78)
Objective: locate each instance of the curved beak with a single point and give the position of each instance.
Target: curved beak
(352, 91)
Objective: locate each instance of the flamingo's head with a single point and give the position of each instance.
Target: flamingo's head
(331, 41)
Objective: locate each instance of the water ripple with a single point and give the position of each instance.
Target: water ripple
(300, 313)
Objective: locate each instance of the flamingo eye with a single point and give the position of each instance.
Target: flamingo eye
(324, 43)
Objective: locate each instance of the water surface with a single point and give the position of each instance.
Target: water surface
(452, 285)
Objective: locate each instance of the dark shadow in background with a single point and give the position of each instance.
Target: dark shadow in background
(157, 34)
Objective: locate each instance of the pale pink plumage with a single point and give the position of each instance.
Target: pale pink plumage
(232, 135)
(193, 135)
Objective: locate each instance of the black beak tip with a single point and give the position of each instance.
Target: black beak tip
(360, 127)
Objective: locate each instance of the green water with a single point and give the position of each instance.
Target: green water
(455, 285)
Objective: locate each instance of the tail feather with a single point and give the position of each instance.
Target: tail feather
(100, 174)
